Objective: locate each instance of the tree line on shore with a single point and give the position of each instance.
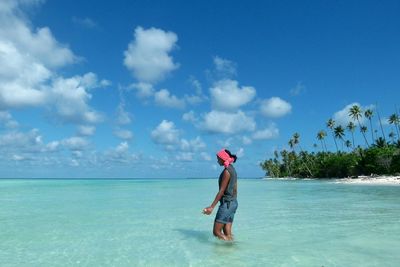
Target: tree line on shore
(379, 156)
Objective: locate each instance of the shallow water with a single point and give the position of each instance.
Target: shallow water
(159, 223)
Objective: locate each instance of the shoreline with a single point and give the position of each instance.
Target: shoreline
(371, 180)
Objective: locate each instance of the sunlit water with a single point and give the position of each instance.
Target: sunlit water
(159, 223)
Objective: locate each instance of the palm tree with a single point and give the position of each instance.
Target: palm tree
(296, 141)
(348, 144)
(339, 133)
(320, 136)
(380, 122)
(355, 113)
(392, 136)
(351, 127)
(395, 119)
(363, 130)
(380, 142)
(331, 124)
(368, 114)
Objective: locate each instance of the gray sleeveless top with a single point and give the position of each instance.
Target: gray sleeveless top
(231, 190)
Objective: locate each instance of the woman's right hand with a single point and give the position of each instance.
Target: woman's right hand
(208, 210)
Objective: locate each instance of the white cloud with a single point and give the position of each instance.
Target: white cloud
(342, 117)
(28, 142)
(164, 98)
(224, 67)
(120, 154)
(122, 147)
(226, 95)
(165, 133)
(123, 117)
(70, 99)
(75, 143)
(123, 134)
(275, 107)
(192, 145)
(268, 133)
(184, 156)
(148, 56)
(143, 90)
(86, 130)
(29, 59)
(39, 44)
(190, 116)
(228, 123)
(7, 121)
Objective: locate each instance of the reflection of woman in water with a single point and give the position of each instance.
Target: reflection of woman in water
(226, 196)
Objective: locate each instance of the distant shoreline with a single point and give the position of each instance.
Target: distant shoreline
(373, 180)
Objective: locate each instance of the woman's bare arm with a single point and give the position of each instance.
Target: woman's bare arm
(224, 184)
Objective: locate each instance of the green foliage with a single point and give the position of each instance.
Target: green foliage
(377, 159)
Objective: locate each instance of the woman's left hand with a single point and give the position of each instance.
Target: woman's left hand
(208, 210)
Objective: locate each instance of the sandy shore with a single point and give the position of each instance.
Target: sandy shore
(378, 180)
(372, 180)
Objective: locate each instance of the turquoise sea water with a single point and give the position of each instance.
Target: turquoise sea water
(159, 223)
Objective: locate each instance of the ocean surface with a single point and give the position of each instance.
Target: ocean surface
(156, 222)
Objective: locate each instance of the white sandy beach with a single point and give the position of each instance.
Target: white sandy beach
(373, 180)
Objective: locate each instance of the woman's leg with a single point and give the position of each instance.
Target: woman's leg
(217, 231)
(228, 231)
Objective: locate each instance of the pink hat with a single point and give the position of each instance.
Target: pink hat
(225, 157)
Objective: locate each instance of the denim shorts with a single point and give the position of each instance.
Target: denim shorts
(226, 211)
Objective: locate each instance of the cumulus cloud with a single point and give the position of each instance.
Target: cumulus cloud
(29, 59)
(342, 117)
(70, 97)
(164, 98)
(147, 56)
(120, 154)
(123, 134)
(275, 107)
(228, 123)
(184, 156)
(7, 121)
(192, 145)
(190, 117)
(75, 143)
(123, 117)
(267, 133)
(226, 95)
(25, 142)
(165, 133)
(224, 67)
(86, 130)
(143, 90)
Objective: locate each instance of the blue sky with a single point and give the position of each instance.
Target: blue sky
(156, 88)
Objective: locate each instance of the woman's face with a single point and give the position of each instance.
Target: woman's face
(220, 161)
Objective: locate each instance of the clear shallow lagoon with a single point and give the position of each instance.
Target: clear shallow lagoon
(159, 223)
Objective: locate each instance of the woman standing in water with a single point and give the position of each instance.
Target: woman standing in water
(226, 196)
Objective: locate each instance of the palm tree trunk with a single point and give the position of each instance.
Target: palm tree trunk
(352, 137)
(365, 138)
(334, 139)
(372, 131)
(380, 123)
